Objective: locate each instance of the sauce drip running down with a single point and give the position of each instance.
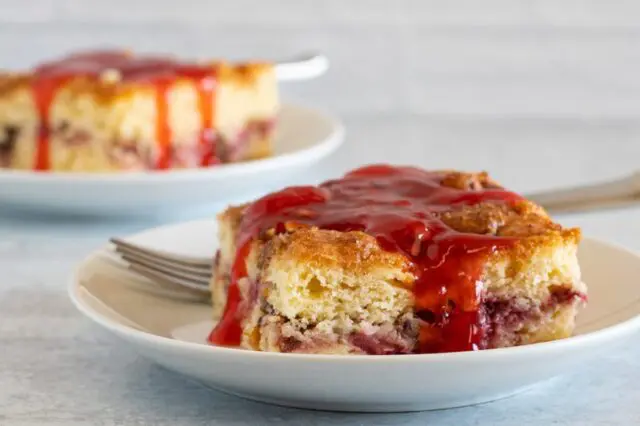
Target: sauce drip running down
(399, 206)
(159, 73)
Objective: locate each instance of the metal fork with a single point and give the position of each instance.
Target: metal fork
(194, 273)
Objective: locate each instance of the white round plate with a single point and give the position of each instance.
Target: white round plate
(303, 137)
(172, 333)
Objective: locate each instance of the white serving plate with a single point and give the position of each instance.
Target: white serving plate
(303, 137)
(173, 332)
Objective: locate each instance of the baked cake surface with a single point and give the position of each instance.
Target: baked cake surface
(113, 111)
(391, 260)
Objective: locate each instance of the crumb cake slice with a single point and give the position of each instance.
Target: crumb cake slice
(115, 111)
(394, 260)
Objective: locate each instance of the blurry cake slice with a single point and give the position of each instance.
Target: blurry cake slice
(394, 260)
(114, 111)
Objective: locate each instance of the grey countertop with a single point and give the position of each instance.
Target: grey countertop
(59, 369)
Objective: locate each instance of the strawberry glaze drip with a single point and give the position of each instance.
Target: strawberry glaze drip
(398, 206)
(159, 73)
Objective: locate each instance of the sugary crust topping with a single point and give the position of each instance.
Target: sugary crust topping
(519, 219)
(526, 221)
(519, 268)
(11, 82)
(243, 73)
(109, 86)
(231, 217)
(355, 252)
(468, 181)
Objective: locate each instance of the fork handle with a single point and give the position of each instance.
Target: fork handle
(606, 195)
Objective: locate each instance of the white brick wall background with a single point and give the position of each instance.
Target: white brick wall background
(492, 57)
(540, 92)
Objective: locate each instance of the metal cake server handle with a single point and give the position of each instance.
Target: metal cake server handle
(303, 67)
(622, 192)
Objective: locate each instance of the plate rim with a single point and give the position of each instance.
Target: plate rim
(318, 150)
(610, 333)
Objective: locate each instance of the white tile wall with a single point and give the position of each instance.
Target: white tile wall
(490, 58)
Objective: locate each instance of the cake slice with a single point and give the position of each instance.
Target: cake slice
(394, 260)
(116, 111)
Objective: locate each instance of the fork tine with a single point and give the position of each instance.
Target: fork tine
(145, 258)
(177, 259)
(123, 271)
(163, 264)
(151, 258)
(166, 279)
(167, 270)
